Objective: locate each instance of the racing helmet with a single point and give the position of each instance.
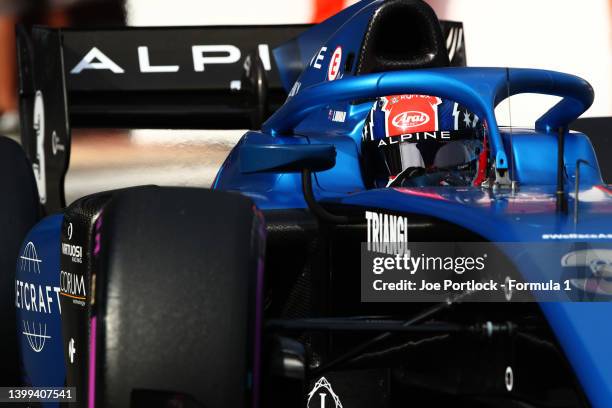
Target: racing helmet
(423, 140)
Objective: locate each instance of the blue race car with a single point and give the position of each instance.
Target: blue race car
(255, 293)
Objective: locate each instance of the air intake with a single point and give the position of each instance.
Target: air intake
(403, 34)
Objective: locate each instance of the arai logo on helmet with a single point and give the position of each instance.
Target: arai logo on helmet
(410, 119)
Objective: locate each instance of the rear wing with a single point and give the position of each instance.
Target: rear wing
(179, 77)
(157, 77)
(160, 77)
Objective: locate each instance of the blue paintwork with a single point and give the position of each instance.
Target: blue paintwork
(584, 334)
(296, 55)
(526, 146)
(257, 158)
(478, 89)
(528, 154)
(38, 267)
(308, 119)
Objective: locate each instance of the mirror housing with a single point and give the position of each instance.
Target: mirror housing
(273, 158)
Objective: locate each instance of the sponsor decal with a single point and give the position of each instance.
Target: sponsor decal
(230, 54)
(96, 59)
(509, 379)
(295, 89)
(386, 233)
(56, 146)
(38, 165)
(410, 113)
(386, 228)
(37, 337)
(73, 286)
(337, 116)
(35, 298)
(264, 56)
(318, 58)
(334, 64)
(410, 119)
(75, 252)
(415, 137)
(598, 262)
(202, 55)
(145, 65)
(71, 350)
(29, 259)
(577, 236)
(72, 279)
(77, 284)
(454, 42)
(323, 396)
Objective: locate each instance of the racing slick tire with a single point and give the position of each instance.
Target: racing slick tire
(174, 310)
(19, 211)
